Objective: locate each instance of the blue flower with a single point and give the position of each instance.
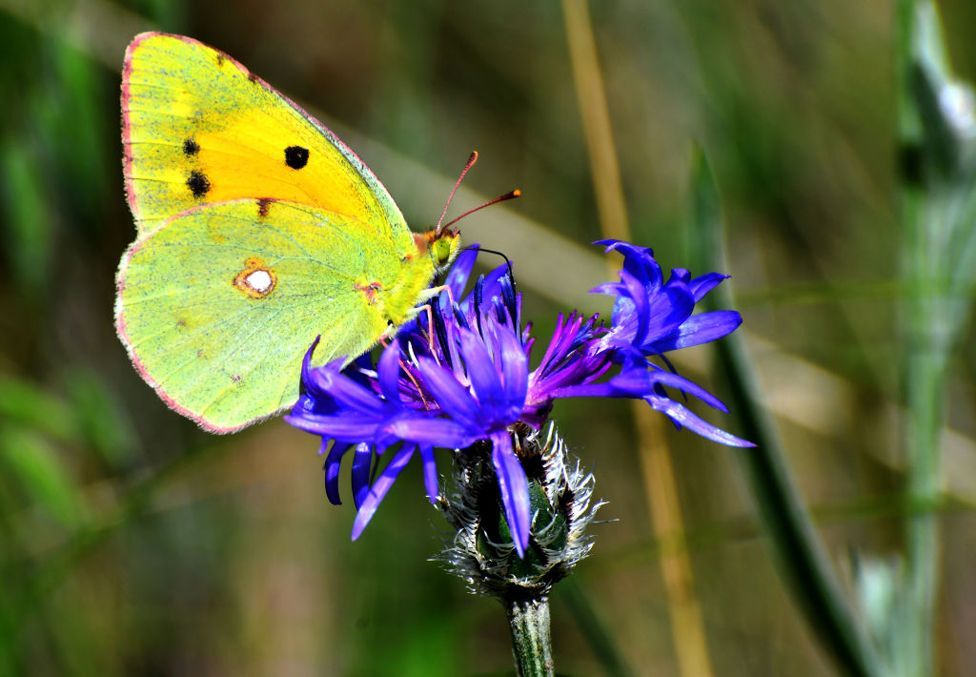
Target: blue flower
(651, 316)
(459, 375)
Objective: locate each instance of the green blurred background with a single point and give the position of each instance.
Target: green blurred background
(133, 543)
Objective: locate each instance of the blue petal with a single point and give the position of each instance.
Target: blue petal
(362, 464)
(347, 427)
(514, 489)
(678, 382)
(700, 286)
(338, 387)
(587, 390)
(683, 416)
(388, 371)
(484, 376)
(638, 261)
(380, 488)
(440, 432)
(515, 373)
(457, 279)
(453, 398)
(633, 307)
(669, 308)
(431, 481)
(609, 288)
(331, 468)
(307, 359)
(699, 329)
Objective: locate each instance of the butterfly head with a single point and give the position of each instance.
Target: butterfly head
(441, 246)
(443, 243)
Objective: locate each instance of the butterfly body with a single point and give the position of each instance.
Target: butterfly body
(257, 230)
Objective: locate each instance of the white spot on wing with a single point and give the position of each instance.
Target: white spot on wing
(260, 281)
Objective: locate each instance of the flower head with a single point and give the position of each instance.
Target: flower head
(459, 375)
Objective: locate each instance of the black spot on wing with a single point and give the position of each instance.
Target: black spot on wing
(198, 183)
(296, 157)
(190, 148)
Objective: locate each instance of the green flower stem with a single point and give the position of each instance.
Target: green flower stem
(531, 639)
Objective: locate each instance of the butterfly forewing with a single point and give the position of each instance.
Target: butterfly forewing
(199, 128)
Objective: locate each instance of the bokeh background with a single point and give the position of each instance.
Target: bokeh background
(133, 543)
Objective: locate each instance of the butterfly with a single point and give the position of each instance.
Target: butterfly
(257, 230)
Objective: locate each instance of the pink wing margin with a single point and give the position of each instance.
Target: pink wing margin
(120, 330)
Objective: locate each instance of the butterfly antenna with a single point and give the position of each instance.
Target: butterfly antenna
(510, 195)
(467, 166)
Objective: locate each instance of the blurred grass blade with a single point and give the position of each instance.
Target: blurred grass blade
(28, 223)
(937, 215)
(29, 406)
(653, 453)
(33, 465)
(572, 594)
(801, 553)
(100, 421)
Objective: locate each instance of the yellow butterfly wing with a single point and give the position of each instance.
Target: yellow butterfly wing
(217, 306)
(198, 128)
(257, 230)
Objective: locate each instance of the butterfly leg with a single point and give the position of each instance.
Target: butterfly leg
(434, 292)
(429, 295)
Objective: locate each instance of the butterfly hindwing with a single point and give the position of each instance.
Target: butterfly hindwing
(199, 128)
(218, 304)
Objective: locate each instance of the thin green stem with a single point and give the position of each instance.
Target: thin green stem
(528, 619)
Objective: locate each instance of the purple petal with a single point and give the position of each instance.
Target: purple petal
(632, 311)
(431, 481)
(380, 488)
(638, 261)
(678, 382)
(699, 329)
(700, 286)
(684, 417)
(514, 489)
(307, 359)
(440, 432)
(347, 427)
(608, 288)
(587, 390)
(362, 464)
(457, 279)
(515, 372)
(331, 468)
(452, 397)
(481, 371)
(331, 384)
(669, 308)
(633, 381)
(388, 371)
